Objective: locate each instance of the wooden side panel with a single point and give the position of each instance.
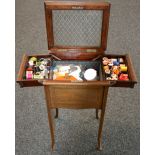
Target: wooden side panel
(105, 27)
(75, 97)
(21, 70)
(49, 27)
(131, 69)
(22, 67)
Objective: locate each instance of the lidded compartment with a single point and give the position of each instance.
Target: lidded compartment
(77, 71)
(77, 32)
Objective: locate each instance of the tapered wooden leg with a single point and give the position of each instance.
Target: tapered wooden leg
(50, 118)
(99, 146)
(57, 112)
(51, 125)
(97, 114)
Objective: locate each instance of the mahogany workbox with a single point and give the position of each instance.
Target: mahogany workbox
(77, 33)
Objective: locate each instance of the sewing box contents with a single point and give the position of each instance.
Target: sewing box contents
(43, 68)
(115, 69)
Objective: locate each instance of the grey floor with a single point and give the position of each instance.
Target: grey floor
(76, 130)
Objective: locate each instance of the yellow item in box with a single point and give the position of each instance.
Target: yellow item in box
(123, 68)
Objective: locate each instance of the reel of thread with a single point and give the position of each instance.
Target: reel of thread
(36, 69)
(90, 74)
(116, 63)
(120, 60)
(123, 68)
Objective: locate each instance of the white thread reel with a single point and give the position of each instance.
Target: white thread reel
(90, 74)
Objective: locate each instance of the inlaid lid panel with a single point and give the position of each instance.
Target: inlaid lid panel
(78, 26)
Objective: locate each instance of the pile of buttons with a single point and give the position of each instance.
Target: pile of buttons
(115, 69)
(38, 68)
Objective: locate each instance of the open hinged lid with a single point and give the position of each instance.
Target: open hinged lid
(77, 29)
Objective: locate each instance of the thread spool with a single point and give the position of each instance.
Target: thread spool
(90, 74)
(123, 68)
(29, 74)
(107, 71)
(124, 77)
(122, 65)
(36, 69)
(116, 71)
(104, 58)
(115, 63)
(114, 77)
(33, 59)
(121, 60)
(114, 59)
(41, 67)
(108, 78)
(105, 62)
(106, 67)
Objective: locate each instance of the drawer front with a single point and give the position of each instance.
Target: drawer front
(75, 97)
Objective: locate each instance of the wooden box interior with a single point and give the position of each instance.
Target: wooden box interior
(77, 53)
(90, 64)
